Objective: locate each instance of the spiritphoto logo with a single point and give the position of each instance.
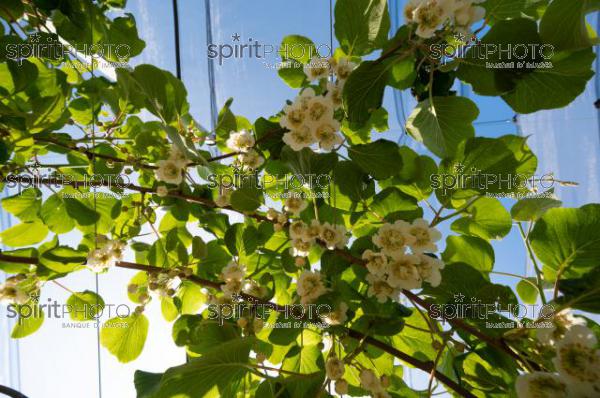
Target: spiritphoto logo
(48, 47)
(500, 56)
(292, 313)
(461, 178)
(515, 315)
(242, 48)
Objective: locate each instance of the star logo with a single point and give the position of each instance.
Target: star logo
(235, 37)
(34, 38)
(35, 297)
(459, 297)
(459, 167)
(459, 37)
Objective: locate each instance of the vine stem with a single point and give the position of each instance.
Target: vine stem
(426, 366)
(538, 273)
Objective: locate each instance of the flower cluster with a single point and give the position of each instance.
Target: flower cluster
(577, 363)
(11, 292)
(233, 275)
(433, 15)
(304, 236)
(561, 323)
(243, 142)
(393, 269)
(310, 286)
(376, 386)
(105, 256)
(338, 316)
(310, 118)
(171, 169)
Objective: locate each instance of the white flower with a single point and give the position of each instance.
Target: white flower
(162, 191)
(561, 322)
(392, 239)
(251, 159)
(429, 269)
(466, 14)
(312, 231)
(295, 204)
(169, 171)
(409, 9)
(334, 93)
(178, 157)
(380, 289)
(540, 385)
(310, 286)
(319, 109)
(343, 68)
(341, 387)
(326, 134)
(424, 236)
(402, 272)
(338, 316)
(334, 236)
(115, 248)
(299, 139)
(304, 98)
(232, 272)
(317, 68)
(293, 118)
(369, 381)
(297, 229)
(300, 248)
(231, 287)
(376, 262)
(334, 368)
(99, 260)
(577, 360)
(240, 141)
(12, 293)
(430, 15)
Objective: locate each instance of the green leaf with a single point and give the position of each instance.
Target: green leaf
(473, 251)
(29, 323)
(503, 9)
(307, 162)
(363, 91)
(361, 26)
(189, 298)
(530, 209)
(305, 360)
(81, 213)
(582, 293)
(164, 94)
(528, 291)
(16, 268)
(295, 51)
(168, 309)
(11, 10)
(125, 337)
(246, 199)
(486, 218)
(202, 335)
(555, 87)
(24, 205)
(24, 234)
(564, 24)
(381, 158)
(63, 259)
(146, 383)
(442, 124)
(218, 373)
(567, 241)
(85, 306)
